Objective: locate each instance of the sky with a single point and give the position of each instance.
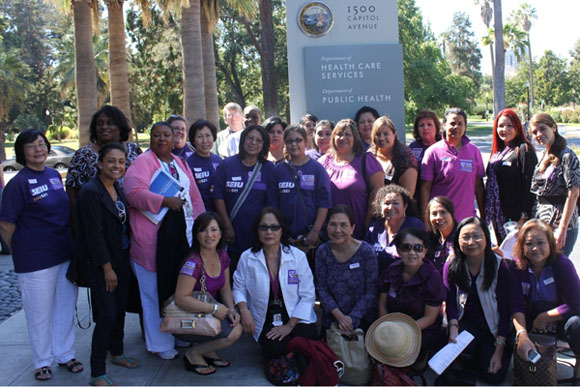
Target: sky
(556, 27)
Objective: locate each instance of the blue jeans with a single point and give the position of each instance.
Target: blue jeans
(571, 237)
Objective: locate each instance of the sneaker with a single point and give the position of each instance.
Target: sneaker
(167, 355)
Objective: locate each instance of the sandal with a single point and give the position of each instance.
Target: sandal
(73, 365)
(197, 368)
(102, 380)
(43, 374)
(216, 361)
(125, 361)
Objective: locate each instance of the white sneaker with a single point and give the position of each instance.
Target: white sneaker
(167, 355)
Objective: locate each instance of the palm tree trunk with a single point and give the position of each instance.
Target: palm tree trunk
(492, 67)
(85, 72)
(267, 59)
(499, 84)
(193, 79)
(118, 73)
(209, 74)
(531, 73)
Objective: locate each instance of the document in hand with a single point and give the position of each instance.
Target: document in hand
(162, 183)
(442, 359)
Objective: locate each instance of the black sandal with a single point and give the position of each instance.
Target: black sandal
(73, 365)
(43, 374)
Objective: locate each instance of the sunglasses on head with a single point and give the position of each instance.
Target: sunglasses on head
(407, 247)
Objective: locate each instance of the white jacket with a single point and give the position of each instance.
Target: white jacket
(252, 285)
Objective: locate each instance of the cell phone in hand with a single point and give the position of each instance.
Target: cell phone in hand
(534, 356)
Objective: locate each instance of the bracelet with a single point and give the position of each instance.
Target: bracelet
(519, 332)
(215, 309)
(453, 324)
(499, 341)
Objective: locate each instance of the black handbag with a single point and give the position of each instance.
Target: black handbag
(545, 371)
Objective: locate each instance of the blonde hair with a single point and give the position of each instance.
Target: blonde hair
(378, 124)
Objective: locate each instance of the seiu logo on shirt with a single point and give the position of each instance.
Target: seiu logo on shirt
(234, 184)
(201, 177)
(39, 190)
(285, 186)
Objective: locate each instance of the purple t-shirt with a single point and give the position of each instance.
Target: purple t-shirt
(348, 185)
(454, 174)
(376, 236)
(184, 152)
(193, 265)
(203, 169)
(425, 287)
(230, 180)
(350, 286)
(314, 188)
(37, 204)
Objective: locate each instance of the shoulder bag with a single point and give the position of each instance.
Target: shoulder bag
(181, 322)
(352, 352)
(246, 191)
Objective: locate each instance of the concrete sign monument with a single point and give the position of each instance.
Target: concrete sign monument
(344, 54)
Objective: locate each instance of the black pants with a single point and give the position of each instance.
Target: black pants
(109, 316)
(274, 348)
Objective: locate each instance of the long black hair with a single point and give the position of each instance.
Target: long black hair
(457, 272)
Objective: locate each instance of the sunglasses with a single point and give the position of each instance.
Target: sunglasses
(266, 227)
(122, 211)
(407, 247)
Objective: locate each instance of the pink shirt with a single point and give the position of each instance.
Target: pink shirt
(143, 231)
(454, 174)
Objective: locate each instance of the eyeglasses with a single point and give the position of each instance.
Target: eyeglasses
(474, 237)
(297, 140)
(36, 146)
(266, 227)
(255, 140)
(407, 247)
(122, 211)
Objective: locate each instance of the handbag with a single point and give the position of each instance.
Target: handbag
(283, 370)
(384, 375)
(352, 352)
(181, 322)
(545, 371)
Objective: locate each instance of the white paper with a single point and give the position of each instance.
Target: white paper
(442, 359)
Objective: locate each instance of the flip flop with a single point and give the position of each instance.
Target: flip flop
(196, 367)
(125, 361)
(43, 374)
(93, 381)
(73, 365)
(216, 361)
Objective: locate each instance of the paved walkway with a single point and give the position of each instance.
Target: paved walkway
(247, 364)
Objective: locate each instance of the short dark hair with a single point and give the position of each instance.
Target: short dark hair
(308, 117)
(341, 209)
(455, 110)
(201, 223)
(27, 137)
(284, 240)
(109, 147)
(265, 146)
(199, 125)
(161, 123)
(426, 113)
(391, 189)
(273, 121)
(414, 231)
(176, 117)
(366, 109)
(118, 118)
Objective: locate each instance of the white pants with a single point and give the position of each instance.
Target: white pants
(49, 301)
(156, 340)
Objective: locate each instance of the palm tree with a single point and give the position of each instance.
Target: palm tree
(499, 74)
(523, 16)
(209, 17)
(118, 73)
(513, 38)
(486, 16)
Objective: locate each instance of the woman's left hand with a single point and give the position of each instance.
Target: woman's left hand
(234, 317)
(279, 332)
(560, 237)
(495, 363)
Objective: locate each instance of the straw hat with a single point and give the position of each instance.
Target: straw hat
(394, 339)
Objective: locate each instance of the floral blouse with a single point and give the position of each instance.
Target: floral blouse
(552, 186)
(83, 165)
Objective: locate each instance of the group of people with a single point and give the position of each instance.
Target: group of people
(269, 218)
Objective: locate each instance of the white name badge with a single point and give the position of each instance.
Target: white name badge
(354, 266)
(549, 281)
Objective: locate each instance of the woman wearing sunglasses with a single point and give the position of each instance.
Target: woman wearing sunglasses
(413, 285)
(274, 288)
(103, 240)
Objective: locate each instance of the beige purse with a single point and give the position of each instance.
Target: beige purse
(181, 322)
(352, 352)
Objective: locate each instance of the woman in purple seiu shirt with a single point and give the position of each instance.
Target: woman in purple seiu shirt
(544, 291)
